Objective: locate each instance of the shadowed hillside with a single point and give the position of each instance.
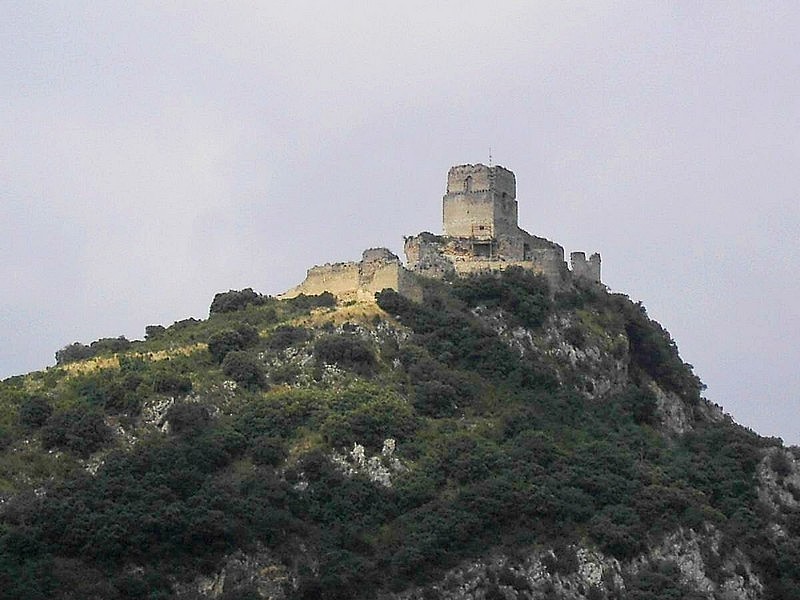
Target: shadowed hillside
(500, 439)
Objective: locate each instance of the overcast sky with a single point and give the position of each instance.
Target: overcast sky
(155, 153)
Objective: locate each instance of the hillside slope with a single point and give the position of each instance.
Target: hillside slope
(499, 440)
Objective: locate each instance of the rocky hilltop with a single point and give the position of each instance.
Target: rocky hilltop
(484, 422)
(501, 438)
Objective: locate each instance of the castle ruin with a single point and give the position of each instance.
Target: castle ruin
(480, 233)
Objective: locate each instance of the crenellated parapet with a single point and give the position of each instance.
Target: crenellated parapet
(586, 269)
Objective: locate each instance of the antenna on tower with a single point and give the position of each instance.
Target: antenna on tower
(490, 156)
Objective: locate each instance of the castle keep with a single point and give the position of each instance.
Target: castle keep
(480, 233)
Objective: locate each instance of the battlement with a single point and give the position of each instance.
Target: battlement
(480, 202)
(583, 268)
(465, 179)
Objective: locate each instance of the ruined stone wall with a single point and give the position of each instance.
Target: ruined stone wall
(442, 256)
(379, 269)
(585, 269)
(337, 278)
(424, 254)
(479, 217)
(482, 177)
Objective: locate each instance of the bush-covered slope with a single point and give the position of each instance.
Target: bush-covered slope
(490, 442)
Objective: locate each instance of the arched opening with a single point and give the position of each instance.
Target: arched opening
(468, 184)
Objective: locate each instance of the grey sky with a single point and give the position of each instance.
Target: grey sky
(153, 154)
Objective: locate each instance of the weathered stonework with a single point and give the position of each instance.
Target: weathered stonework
(378, 269)
(479, 220)
(587, 269)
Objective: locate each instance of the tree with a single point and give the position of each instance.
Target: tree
(73, 353)
(244, 369)
(234, 300)
(243, 337)
(346, 351)
(80, 430)
(34, 412)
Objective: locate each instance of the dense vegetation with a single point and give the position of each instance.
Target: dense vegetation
(497, 449)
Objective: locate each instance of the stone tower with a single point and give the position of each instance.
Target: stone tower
(481, 232)
(480, 203)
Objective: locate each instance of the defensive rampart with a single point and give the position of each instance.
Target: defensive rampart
(378, 269)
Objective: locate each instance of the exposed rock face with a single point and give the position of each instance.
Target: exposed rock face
(572, 572)
(594, 362)
(258, 573)
(578, 572)
(596, 365)
(672, 411)
(779, 480)
(378, 469)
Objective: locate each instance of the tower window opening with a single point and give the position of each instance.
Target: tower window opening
(468, 184)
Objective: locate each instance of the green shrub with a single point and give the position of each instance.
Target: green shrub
(154, 332)
(370, 423)
(524, 294)
(232, 301)
(73, 353)
(79, 430)
(229, 340)
(169, 382)
(270, 451)
(287, 335)
(305, 303)
(654, 352)
(780, 463)
(5, 438)
(115, 391)
(563, 560)
(280, 414)
(34, 412)
(244, 369)
(284, 374)
(187, 418)
(438, 391)
(346, 351)
(77, 351)
(640, 403)
(618, 531)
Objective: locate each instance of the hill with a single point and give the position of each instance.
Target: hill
(500, 439)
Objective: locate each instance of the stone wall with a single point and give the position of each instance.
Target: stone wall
(443, 256)
(480, 178)
(378, 269)
(585, 269)
(480, 202)
(468, 215)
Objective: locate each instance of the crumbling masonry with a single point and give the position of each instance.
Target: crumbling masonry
(481, 233)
